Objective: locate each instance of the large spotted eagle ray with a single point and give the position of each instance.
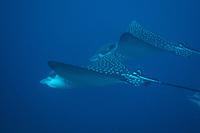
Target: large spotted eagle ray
(105, 71)
(138, 42)
(102, 72)
(107, 68)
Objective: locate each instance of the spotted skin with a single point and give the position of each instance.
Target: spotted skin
(110, 64)
(108, 69)
(140, 39)
(137, 30)
(105, 71)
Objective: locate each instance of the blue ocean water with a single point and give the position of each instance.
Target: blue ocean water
(34, 32)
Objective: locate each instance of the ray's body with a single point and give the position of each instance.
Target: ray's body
(139, 42)
(105, 71)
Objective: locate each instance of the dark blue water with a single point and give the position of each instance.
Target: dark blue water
(34, 32)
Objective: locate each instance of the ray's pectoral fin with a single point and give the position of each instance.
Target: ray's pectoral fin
(134, 47)
(82, 76)
(139, 31)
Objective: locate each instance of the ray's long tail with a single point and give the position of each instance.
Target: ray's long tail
(168, 84)
(136, 76)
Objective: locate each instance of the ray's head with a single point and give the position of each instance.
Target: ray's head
(104, 50)
(55, 81)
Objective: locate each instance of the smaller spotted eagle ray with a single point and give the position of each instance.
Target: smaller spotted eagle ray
(138, 42)
(105, 71)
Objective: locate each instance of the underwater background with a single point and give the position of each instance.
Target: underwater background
(35, 32)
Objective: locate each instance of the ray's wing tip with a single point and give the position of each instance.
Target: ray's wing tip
(52, 64)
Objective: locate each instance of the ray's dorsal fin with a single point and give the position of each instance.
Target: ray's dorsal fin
(139, 31)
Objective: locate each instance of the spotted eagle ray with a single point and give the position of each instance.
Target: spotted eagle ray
(140, 42)
(105, 71)
(195, 98)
